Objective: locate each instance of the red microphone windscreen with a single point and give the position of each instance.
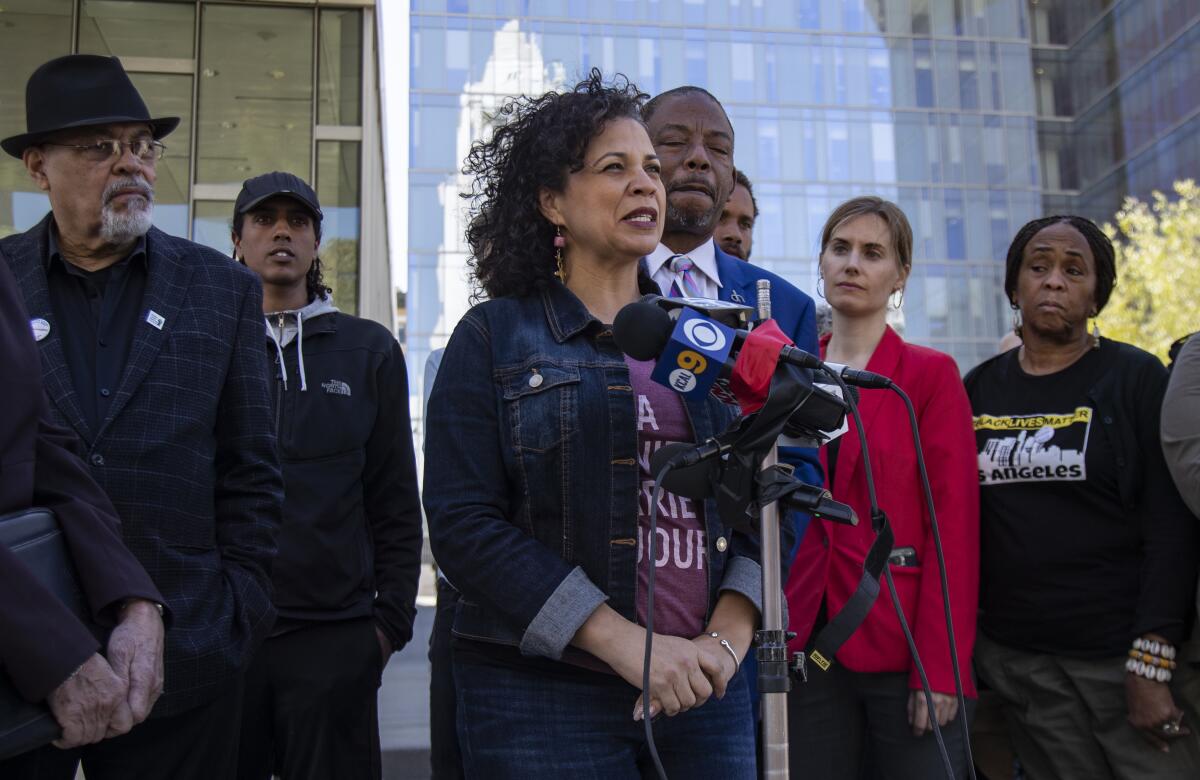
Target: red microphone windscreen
(751, 377)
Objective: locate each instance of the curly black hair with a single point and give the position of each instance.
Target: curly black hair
(537, 142)
(314, 282)
(1101, 246)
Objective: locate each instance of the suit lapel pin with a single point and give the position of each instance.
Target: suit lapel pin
(40, 327)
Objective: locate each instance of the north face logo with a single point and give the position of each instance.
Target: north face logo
(336, 387)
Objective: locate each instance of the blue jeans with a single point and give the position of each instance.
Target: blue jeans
(519, 723)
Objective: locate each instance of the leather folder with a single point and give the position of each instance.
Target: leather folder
(33, 536)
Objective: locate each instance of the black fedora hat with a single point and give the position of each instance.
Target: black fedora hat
(81, 90)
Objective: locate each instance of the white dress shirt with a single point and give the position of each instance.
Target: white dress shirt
(704, 274)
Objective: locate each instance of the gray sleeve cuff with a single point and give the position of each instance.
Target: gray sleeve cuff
(556, 623)
(744, 576)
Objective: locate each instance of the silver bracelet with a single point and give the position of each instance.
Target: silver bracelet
(737, 664)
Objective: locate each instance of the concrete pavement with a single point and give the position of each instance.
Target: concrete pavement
(404, 698)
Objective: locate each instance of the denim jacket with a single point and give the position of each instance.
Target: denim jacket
(532, 479)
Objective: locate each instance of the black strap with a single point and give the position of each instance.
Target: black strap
(832, 450)
(855, 611)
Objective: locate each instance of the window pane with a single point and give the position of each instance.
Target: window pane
(170, 95)
(338, 191)
(34, 32)
(339, 56)
(256, 92)
(137, 29)
(213, 224)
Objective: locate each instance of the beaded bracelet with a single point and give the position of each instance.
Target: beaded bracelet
(1149, 671)
(1154, 647)
(1152, 660)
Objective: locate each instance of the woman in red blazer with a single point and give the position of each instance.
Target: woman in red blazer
(867, 716)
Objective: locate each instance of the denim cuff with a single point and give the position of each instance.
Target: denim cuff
(744, 576)
(556, 623)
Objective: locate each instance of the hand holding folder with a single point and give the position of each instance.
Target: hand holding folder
(36, 539)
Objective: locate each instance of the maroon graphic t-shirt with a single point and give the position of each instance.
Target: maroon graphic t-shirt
(680, 552)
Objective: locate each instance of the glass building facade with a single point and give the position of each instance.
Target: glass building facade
(1117, 102)
(930, 103)
(260, 86)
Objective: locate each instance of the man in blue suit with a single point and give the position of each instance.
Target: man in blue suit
(694, 140)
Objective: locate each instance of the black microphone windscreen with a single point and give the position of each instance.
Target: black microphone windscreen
(690, 481)
(641, 330)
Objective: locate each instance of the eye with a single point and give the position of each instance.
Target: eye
(1074, 271)
(300, 221)
(261, 219)
(654, 169)
(719, 150)
(614, 166)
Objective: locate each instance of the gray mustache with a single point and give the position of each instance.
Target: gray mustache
(137, 183)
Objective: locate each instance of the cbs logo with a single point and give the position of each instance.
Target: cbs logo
(704, 334)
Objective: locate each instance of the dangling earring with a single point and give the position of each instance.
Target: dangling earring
(1016, 320)
(1095, 330)
(560, 241)
(897, 298)
(821, 287)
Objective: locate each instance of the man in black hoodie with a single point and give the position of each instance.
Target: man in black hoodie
(350, 545)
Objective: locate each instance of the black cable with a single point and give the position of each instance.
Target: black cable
(658, 767)
(941, 560)
(875, 512)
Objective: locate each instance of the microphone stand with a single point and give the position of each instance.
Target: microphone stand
(773, 679)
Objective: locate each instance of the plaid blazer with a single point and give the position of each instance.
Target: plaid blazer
(186, 452)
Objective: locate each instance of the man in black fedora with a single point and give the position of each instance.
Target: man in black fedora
(151, 352)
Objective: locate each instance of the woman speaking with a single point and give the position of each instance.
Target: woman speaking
(537, 482)
(867, 715)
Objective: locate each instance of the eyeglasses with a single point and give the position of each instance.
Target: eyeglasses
(144, 149)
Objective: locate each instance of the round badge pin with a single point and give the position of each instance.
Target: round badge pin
(40, 327)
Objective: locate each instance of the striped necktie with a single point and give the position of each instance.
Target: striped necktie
(686, 284)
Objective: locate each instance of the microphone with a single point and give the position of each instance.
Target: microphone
(642, 330)
(735, 315)
(695, 356)
(694, 480)
(684, 455)
(692, 352)
(860, 378)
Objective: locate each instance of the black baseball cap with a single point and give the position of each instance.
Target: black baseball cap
(260, 188)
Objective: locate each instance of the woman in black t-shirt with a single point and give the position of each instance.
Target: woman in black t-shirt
(1088, 559)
